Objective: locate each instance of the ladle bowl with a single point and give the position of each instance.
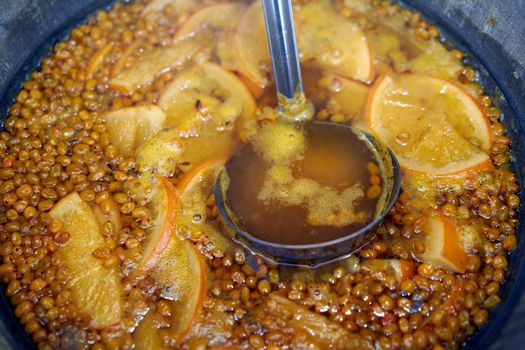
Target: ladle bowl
(317, 254)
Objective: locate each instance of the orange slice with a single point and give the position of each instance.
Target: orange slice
(125, 56)
(210, 143)
(176, 266)
(432, 125)
(216, 18)
(200, 176)
(195, 188)
(95, 289)
(146, 334)
(207, 94)
(251, 46)
(154, 62)
(164, 204)
(129, 127)
(425, 56)
(97, 60)
(443, 245)
(225, 51)
(181, 274)
(349, 94)
(319, 331)
(401, 269)
(333, 42)
(434, 59)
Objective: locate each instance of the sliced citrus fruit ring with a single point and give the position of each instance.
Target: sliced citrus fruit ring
(333, 42)
(432, 125)
(146, 334)
(251, 46)
(129, 127)
(200, 176)
(195, 188)
(125, 56)
(349, 94)
(181, 273)
(97, 60)
(423, 56)
(320, 332)
(96, 290)
(154, 62)
(164, 205)
(434, 59)
(216, 18)
(225, 51)
(210, 143)
(401, 269)
(204, 95)
(443, 245)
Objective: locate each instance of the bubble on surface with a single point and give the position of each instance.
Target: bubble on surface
(280, 143)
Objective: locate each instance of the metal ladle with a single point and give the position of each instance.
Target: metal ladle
(293, 106)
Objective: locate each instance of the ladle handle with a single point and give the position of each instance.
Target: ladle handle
(280, 31)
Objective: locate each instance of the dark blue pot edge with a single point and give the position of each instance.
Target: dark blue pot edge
(503, 79)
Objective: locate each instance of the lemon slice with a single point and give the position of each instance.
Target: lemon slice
(432, 125)
(95, 289)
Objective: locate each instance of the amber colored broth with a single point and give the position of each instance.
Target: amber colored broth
(334, 157)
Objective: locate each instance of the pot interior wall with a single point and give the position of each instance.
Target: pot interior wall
(29, 28)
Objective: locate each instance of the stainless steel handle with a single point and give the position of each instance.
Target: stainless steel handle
(280, 31)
